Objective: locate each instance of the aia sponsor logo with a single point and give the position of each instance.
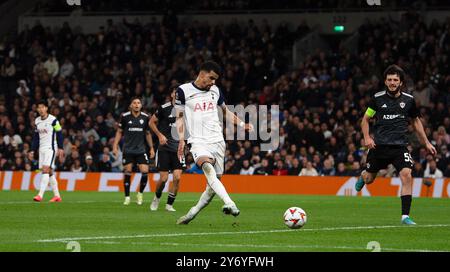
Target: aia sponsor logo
(42, 131)
(205, 106)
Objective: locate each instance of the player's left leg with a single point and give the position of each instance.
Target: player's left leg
(54, 182)
(174, 190)
(143, 168)
(127, 169)
(54, 185)
(403, 163)
(373, 164)
(212, 177)
(406, 195)
(204, 200)
(45, 161)
(219, 158)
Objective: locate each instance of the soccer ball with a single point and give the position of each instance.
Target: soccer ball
(295, 218)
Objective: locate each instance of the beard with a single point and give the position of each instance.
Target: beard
(396, 91)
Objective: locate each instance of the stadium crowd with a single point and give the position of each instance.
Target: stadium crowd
(88, 80)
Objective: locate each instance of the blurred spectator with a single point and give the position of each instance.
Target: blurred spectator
(328, 169)
(280, 169)
(52, 66)
(295, 168)
(417, 171)
(432, 171)
(246, 168)
(309, 170)
(76, 166)
(341, 170)
(90, 165)
(264, 169)
(105, 164)
(356, 169)
(447, 171)
(23, 89)
(67, 68)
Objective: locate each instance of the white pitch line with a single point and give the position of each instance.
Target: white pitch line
(229, 233)
(79, 202)
(263, 246)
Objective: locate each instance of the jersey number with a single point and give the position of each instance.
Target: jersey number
(408, 157)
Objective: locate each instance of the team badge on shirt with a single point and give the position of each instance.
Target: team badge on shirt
(402, 105)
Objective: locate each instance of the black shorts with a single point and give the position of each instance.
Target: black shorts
(382, 156)
(135, 159)
(168, 161)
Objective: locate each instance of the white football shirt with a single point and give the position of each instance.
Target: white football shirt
(201, 112)
(47, 129)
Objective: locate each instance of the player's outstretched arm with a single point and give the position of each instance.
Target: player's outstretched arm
(418, 126)
(235, 120)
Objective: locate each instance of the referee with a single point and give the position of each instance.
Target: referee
(166, 156)
(134, 125)
(392, 109)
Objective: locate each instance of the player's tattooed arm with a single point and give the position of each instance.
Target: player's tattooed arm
(235, 120)
(418, 127)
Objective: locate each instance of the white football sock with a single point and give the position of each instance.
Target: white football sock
(44, 183)
(404, 216)
(204, 200)
(215, 183)
(54, 184)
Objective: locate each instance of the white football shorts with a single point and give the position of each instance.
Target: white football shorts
(47, 157)
(215, 151)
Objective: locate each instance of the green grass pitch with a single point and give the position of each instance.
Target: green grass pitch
(99, 222)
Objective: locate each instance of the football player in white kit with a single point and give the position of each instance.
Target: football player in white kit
(198, 105)
(48, 139)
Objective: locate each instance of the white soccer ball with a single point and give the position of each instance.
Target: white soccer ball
(295, 217)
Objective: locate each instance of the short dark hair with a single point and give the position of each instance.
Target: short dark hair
(209, 66)
(394, 70)
(134, 98)
(42, 102)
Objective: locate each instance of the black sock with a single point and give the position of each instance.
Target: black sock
(126, 184)
(406, 204)
(159, 190)
(171, 198)
(144, 179)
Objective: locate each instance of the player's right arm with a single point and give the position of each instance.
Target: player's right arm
(153, 121)
(370, 113)
(35, 142)
(179, 109)
(119, 133)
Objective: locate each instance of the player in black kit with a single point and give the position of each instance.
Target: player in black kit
(166, 156)
(392, 109)
(134, 125)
